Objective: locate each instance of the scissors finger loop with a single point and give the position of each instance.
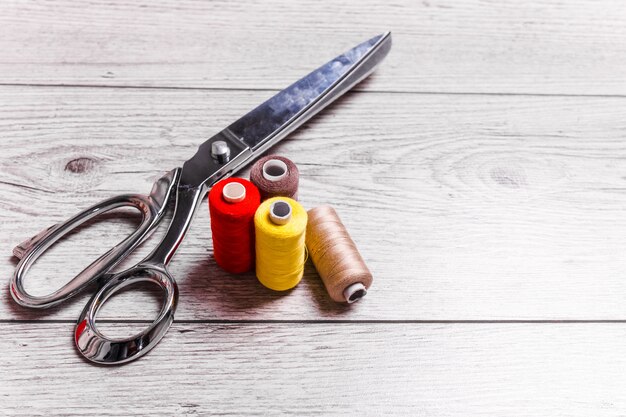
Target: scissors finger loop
(31, 251)
(98, 348)
(152, 209)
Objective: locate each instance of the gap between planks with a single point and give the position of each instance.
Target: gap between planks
(273, 321)
(354, 90)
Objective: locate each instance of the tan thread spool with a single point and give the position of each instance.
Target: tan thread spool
(336, 256)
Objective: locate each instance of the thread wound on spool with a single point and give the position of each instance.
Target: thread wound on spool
(336, 256)
(275, 176)
(280, 248)
(232, 223)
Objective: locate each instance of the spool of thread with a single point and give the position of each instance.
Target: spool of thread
(232, 204)
(275, 176)
(280, 225)
(336, 256)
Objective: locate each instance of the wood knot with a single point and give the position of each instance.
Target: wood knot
(508, 177)
(80, 165)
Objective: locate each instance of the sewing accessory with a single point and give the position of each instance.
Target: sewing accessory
(336, 257)
(219, 157)
(232, 204)
(275, 176)
(280, 225)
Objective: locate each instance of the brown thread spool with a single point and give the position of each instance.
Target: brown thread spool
(275, 176)
(336, 256)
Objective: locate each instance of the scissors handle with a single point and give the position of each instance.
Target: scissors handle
(103, 350)
(152, 208)
(97, 347)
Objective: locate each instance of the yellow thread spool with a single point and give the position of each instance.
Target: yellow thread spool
(280, 226)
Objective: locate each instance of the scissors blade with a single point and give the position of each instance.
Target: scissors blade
(251, 135)
(256, 127)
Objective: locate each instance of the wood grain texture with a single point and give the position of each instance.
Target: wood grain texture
(326, 369)
(537, 47)
(481, 171)
(465, 208)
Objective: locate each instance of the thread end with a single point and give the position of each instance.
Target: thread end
(354, 292)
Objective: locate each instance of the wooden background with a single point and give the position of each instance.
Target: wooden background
(481, 171)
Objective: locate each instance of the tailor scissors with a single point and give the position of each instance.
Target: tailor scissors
(219, 157)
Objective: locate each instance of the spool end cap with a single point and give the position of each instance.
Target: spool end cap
(234, 192)
(354, 292)
(280, 212)
(274, 170)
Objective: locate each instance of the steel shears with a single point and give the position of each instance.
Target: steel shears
(219, 157)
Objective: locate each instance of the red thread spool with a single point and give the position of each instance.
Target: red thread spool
(232, 204)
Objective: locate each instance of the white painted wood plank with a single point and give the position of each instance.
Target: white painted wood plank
(472, 207)
(545, 47)
(325, 369)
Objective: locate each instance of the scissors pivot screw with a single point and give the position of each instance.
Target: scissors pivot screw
(220, 151)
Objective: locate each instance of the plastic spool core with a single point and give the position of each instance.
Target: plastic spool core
(280, 212)
(234, 192)
(354, 292)
(274, 170)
